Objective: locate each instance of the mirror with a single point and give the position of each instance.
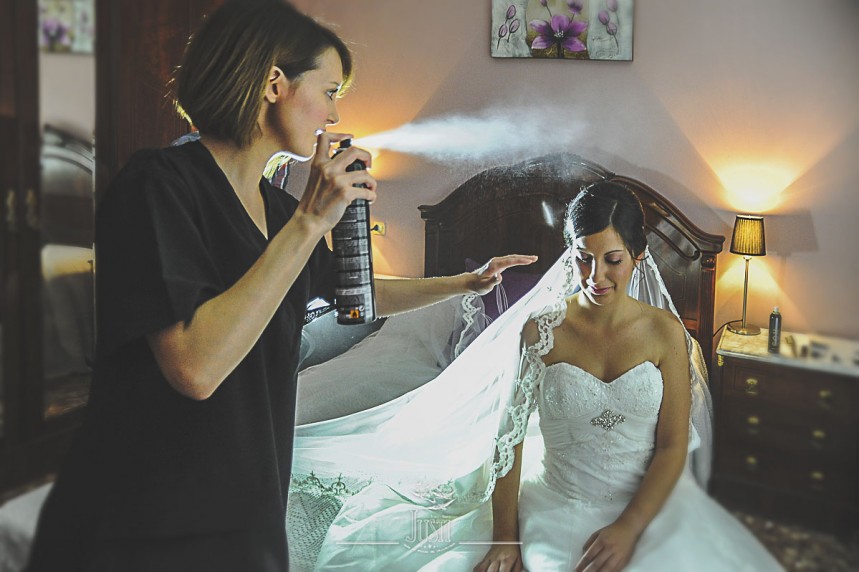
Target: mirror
(66, 205)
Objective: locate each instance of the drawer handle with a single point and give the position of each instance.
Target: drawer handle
(817, 478)
(32, 210)
(751, 386)
(818, 438)
(11, 217)
(753, 424)
(751, 463)
(825, 398)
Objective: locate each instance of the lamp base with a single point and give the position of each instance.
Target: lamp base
(737, 328)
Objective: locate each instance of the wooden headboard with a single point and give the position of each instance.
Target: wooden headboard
(519, 209)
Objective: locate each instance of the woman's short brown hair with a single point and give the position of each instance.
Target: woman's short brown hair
(221, 82)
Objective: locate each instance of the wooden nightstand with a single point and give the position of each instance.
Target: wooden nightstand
(787, 429)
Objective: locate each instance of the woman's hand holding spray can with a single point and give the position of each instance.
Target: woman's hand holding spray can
(354, 293)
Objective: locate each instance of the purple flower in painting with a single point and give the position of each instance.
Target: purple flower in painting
(612, 5)
(575, 6)
(508, 28)
(605, 19)
(561, 32)
(55, 33)
(545, 4)
(611, 25)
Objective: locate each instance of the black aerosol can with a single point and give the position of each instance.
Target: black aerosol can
(774, 342)
(355, 292)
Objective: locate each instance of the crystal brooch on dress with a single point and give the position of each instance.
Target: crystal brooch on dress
(608, 419)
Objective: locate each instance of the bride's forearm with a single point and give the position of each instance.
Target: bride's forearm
(505, 503)
(659, 480)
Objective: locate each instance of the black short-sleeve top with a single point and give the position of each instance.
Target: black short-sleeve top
(170, 235)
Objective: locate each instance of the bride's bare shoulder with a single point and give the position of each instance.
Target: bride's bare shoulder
(662, 324)
(530, 332)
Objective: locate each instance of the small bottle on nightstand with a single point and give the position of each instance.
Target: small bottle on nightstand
(774, 341)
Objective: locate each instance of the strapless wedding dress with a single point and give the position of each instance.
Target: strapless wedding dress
(598, 442)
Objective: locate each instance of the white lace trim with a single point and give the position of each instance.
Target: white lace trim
(532, 370)
(469, 309)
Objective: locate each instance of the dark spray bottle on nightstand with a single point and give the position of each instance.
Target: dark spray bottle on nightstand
(355, 292)
(774, 341)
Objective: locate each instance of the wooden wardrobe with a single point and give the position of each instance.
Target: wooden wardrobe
(138, 44)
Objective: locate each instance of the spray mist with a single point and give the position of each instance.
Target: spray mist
(355, 292)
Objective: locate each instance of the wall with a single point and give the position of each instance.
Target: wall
(728, 107)
(67, 92)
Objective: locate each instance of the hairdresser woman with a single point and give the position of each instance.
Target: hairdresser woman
(204, 273)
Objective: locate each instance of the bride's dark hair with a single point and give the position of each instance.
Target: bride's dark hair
(602, 205)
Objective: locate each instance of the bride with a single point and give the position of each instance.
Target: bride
(614, 398)
(619, 389)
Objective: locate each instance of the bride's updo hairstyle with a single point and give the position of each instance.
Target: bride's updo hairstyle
(602, 205)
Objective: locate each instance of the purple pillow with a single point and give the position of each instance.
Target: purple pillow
(513, 286)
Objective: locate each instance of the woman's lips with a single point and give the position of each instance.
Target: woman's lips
(599, 291)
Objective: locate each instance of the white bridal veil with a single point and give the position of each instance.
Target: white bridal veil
(403, 437)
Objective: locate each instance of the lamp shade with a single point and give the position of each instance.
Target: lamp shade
(748, 238)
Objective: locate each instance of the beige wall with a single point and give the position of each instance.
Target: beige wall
(728, 107)
(67, 92)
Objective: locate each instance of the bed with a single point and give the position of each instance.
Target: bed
(520, 209)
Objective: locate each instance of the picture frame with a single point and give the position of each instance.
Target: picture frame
(67, 26)
(563, 29)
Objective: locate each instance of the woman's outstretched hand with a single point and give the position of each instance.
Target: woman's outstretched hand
(609, 549)
(489, 275)
(330, 188)
(502, 558)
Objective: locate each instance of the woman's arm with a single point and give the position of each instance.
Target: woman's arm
(611, 548)
(197, 356)
(395, 296)
(505, 555)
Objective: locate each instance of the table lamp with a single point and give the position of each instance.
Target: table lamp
(748, 240)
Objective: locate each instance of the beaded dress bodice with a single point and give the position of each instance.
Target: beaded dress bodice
(599, 436)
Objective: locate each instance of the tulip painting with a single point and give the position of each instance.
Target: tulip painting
(563, 29)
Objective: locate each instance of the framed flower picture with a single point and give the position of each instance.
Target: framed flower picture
(67, 26)
(562, 29)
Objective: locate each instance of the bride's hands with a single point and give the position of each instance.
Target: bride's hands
(330, 188)
(609, 549)
(502, 558)
(488, 276)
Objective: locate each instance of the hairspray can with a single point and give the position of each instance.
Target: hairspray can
(774, 341)
(355, 292)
